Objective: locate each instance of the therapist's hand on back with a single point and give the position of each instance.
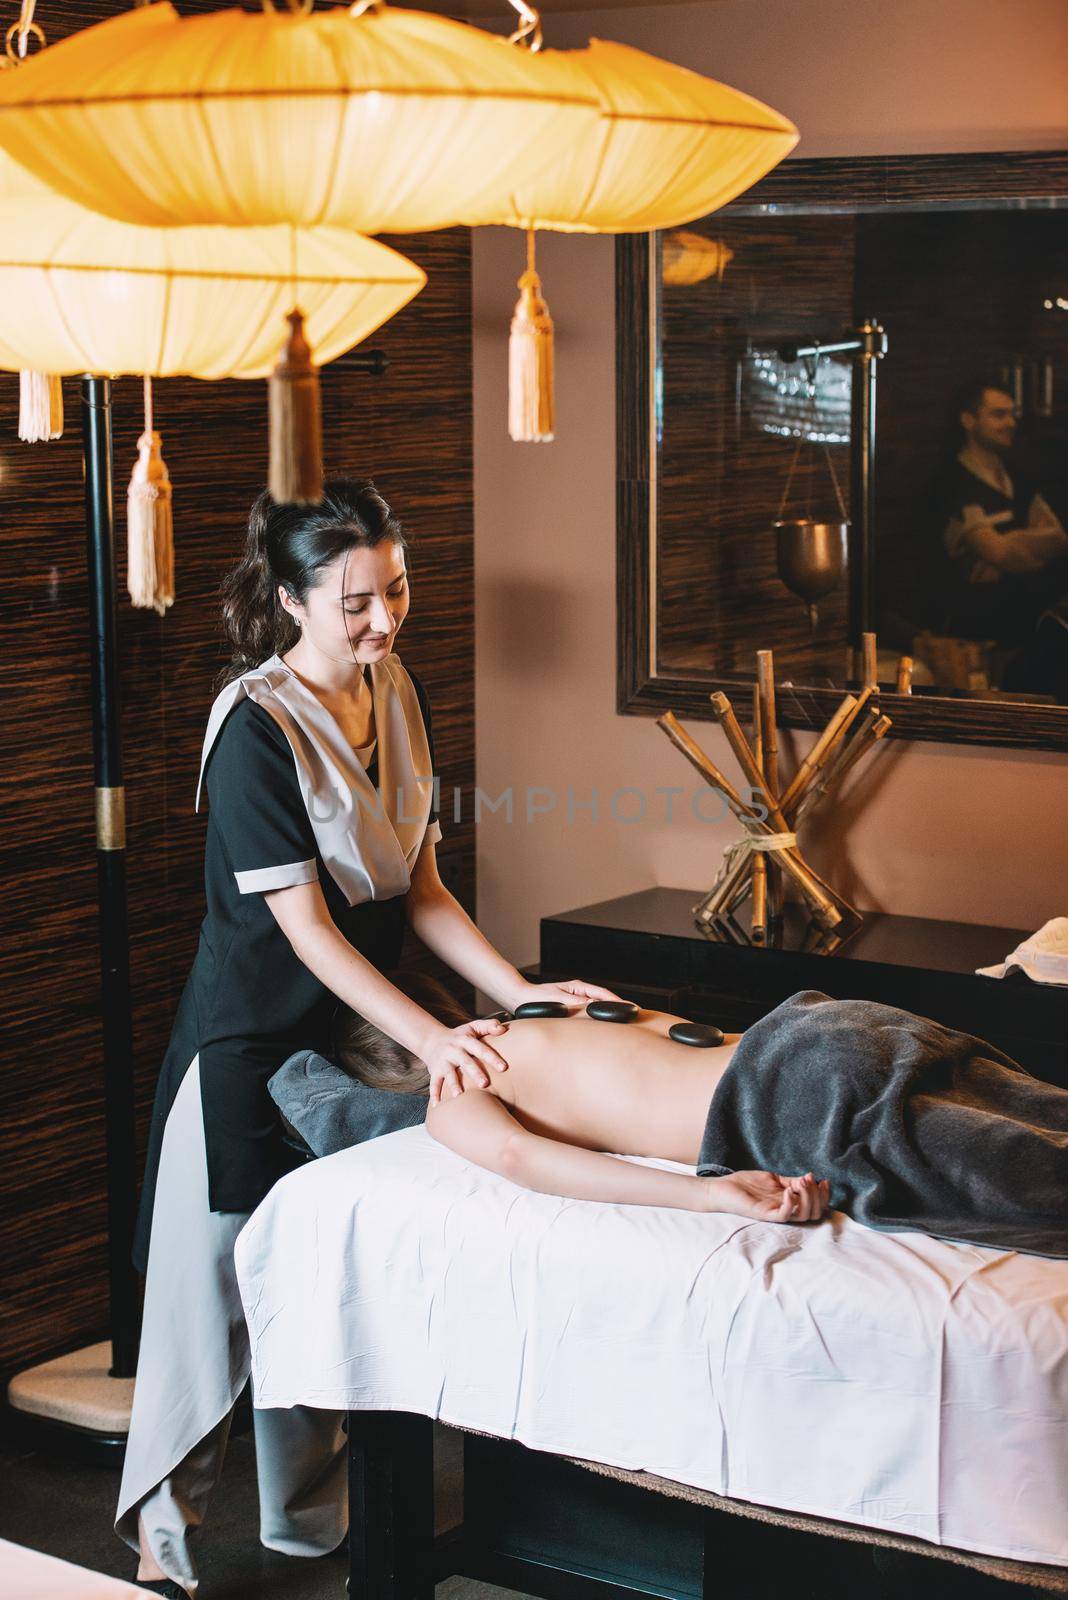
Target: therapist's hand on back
(456, 1057)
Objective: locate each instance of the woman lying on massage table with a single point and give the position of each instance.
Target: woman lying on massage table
(894, 1119)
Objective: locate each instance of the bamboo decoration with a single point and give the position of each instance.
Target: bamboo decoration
(824, 910)
(768, 853)
(770, 738)
(869, 660)
(874, 728)
(813, 763)
(758, 922)
(723, 712)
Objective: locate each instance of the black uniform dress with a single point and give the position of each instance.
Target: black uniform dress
(249, 1001)
(290, 803)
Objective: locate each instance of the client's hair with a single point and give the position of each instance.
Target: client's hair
(363, 1051)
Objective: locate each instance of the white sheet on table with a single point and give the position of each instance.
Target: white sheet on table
(891, 1380)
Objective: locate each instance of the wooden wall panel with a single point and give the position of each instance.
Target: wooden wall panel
(411, 431)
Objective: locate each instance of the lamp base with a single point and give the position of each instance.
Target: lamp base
(72, 1404)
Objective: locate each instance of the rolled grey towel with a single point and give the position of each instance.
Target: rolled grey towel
(915, 1126)
(329, 1111)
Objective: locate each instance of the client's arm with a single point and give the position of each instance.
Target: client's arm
(480, 1128)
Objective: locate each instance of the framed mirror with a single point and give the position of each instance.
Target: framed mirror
(784, 484)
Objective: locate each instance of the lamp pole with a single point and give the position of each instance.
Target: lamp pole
(111, 872)
(867, 347)
(871, 347)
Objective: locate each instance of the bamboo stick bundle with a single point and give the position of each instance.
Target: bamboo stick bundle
(765, 662)
(869, 657)
(758, 783)
(874, 728)
(824, 909)
(730, 888)
(758, 864)
(758, 867)
(726, 881)
(837, 729)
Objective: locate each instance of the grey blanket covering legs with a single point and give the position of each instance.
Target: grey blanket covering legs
(916, 1127)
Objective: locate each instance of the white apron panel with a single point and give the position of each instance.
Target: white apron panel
(194, 1358)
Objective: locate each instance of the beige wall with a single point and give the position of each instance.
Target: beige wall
(956, 832)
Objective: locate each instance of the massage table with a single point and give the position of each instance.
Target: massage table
(893, 1388)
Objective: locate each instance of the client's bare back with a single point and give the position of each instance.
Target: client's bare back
(624, 1087)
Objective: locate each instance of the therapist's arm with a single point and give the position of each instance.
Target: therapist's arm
(441, 922)
(480, 1128)
(303, 916)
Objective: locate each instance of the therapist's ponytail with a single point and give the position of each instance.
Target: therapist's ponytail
(290, 545)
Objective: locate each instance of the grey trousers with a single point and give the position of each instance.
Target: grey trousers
(193, 1365)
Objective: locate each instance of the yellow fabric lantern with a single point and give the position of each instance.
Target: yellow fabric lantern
(82, 293)
(670, 146)
(369, 118)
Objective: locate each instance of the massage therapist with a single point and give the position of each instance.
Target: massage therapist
(317, 764)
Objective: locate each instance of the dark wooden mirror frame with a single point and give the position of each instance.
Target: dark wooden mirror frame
(817, 184)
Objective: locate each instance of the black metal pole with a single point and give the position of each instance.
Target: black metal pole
(868, 348)
(111, 874)
(871, 348)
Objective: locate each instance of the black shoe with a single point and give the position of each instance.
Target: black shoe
(164, 1586)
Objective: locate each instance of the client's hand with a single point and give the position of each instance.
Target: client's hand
(454, 1054)
(574, 993)
(769, 1197)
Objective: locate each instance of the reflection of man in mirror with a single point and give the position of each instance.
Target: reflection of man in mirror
(1007, 548)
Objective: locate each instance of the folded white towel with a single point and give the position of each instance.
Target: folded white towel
(1044, 956)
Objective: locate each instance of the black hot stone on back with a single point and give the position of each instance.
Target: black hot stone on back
(540, 1008)
(612, 1010)
(699, 1034)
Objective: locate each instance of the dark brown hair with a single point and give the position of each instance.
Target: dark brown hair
(363, 1051)
(290, 545)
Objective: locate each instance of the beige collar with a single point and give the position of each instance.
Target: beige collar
(368, 840)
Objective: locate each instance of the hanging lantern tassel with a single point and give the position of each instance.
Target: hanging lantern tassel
(530, 361)
(40, 407)
(149, 522)
(295, 474)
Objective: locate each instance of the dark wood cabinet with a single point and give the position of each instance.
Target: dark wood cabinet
(647, 947)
